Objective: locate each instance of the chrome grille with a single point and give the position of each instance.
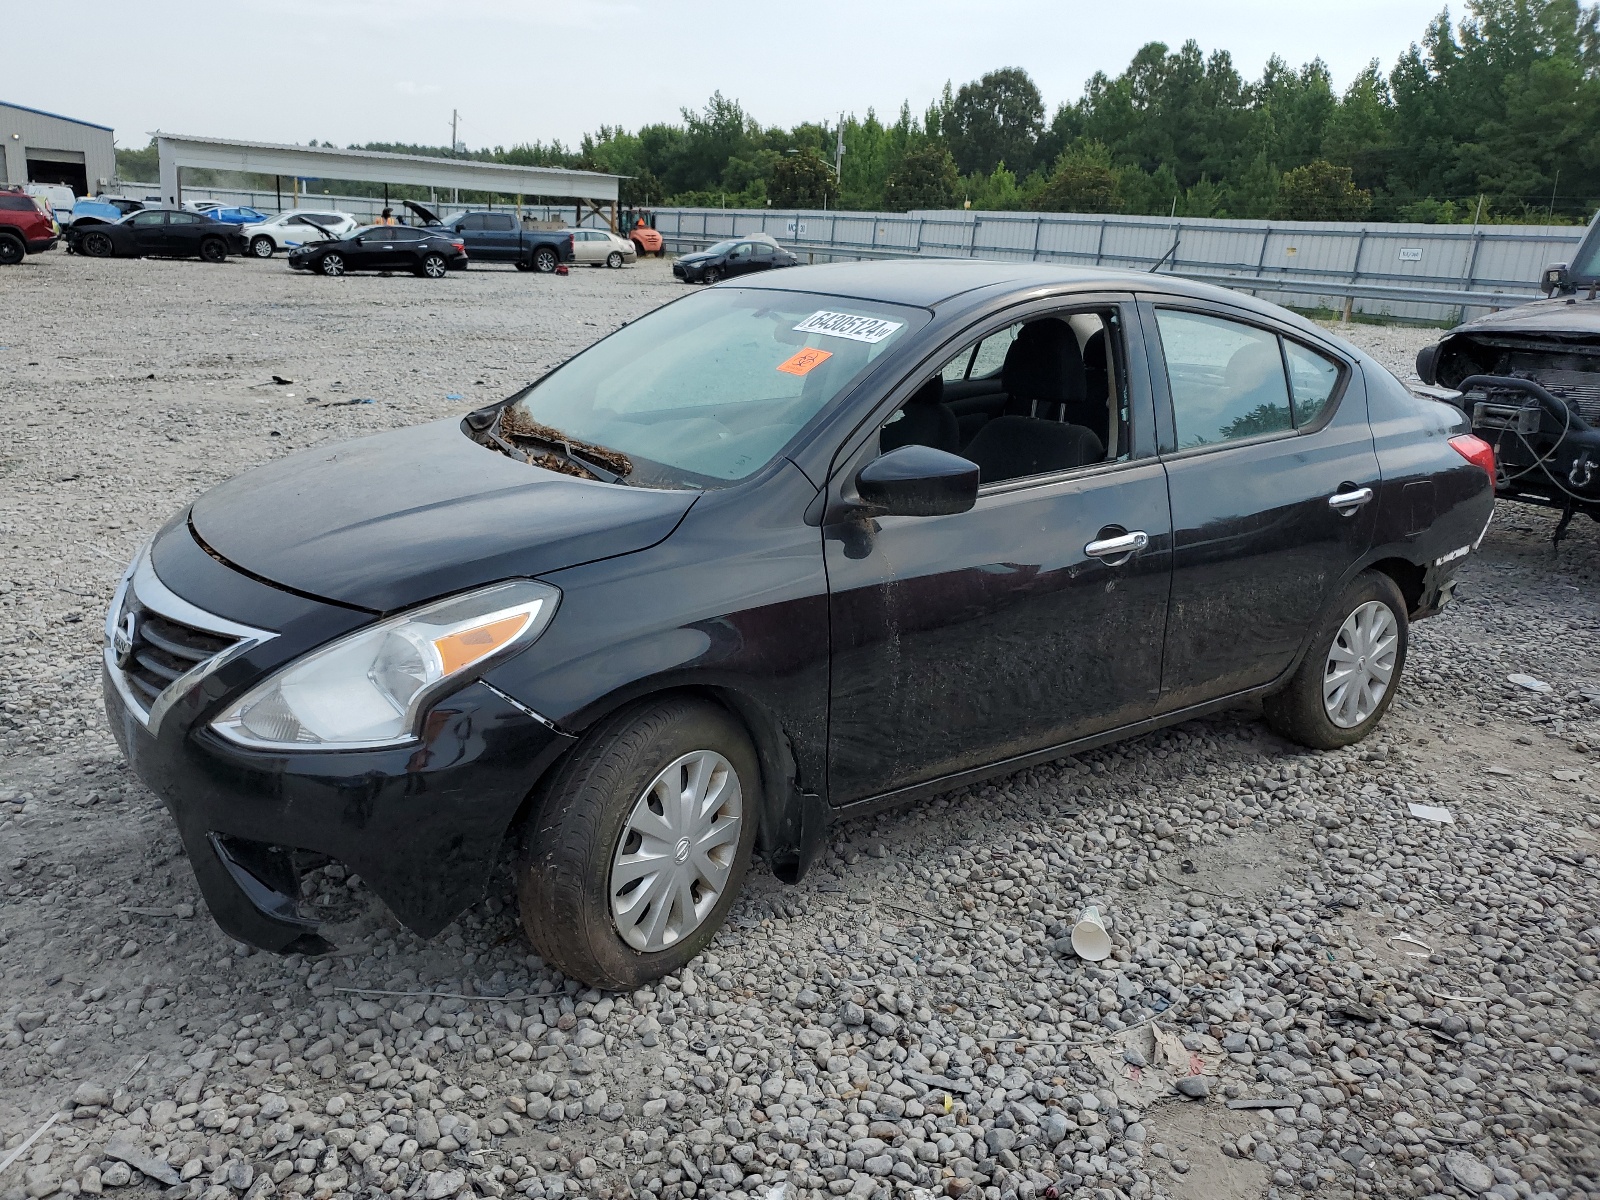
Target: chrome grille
(159, 646)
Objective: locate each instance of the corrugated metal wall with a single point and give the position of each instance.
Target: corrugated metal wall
(23, 129)
(1324, 257)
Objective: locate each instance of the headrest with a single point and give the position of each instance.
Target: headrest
(931, 392)
(1094, 351)
(1253, 366)
(1044, 364)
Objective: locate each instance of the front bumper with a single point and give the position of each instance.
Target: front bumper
(422, 824)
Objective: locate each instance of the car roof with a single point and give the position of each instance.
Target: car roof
(929, 282)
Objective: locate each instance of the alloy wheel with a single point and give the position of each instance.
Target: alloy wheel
(333, 264)
(712, 275)
(97, 245)
(677, 850)
(1360, 666)
(545, 261)
(614, 259)
(433, 267)
(262, 247)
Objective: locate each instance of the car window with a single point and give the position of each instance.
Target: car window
(1585, 269)
(711, 388)
(377, 235)
(472, 221)
(182, 218)
(148, 218)
(1312, 379)
(742, 250)
(983, 359)
(1226, 379)
(503, 222)
(16, 204)
(402, 234)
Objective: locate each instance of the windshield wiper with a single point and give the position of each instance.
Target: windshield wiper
(571, 456)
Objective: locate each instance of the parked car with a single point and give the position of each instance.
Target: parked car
(742, 255)
(500, 237)
(297, 227)
(95, 212)
(646, 240)
(601, 248)
(126, 204)
(238, 215)
(158, 232)
(430, 252)
(202, 206)
(774, 555)
(26, 226)
(58, 197)
(1529, 378)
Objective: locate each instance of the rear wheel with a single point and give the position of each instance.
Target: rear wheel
(97, 245)
(213, 250)
(1349, 676)
(614, 259)
(544, 260)
(434, 266)
(331, 264)
(639, 842)
(262, 246)
(12, 250)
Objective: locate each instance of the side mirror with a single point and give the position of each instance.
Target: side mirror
(1555, 279)
(919, 481)
(1428, 364)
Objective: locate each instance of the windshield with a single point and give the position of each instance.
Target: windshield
(1586, 263)
(720, 247)
(710, 389)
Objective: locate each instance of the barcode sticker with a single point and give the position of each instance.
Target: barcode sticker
(848, 325)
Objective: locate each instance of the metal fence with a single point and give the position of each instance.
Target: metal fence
(1419, 272)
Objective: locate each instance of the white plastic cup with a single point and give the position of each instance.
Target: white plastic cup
(1089, 937)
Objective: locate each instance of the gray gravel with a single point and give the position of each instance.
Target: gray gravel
(1312, 991)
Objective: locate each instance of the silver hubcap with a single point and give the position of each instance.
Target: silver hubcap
(333, 265)
(676, 851)
(263, 248)
(433, 267)
(1360, 665)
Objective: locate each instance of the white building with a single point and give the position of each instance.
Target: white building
(40, 147)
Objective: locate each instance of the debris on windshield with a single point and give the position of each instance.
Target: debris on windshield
(555, 451)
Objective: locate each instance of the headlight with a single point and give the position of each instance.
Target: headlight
(367, 689)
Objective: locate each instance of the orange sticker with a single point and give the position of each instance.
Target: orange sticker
(805, 362)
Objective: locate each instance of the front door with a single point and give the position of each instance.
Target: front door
(739, 259)
(1273, 472)
(370, 250)
(1033, 619)
(149, 231)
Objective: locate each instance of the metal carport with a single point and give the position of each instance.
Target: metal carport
(329, 162)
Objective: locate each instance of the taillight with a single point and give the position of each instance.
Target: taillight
(461, 246)
(1475, 450)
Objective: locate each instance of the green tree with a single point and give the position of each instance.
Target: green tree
(925, 178)
(1320, 191)
(997, 119)
(803, 179)
(1083, 181)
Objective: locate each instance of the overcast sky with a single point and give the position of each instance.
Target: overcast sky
(356, 71)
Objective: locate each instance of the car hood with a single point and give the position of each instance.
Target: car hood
(1560, 315)
(398, 518)
(694, 260)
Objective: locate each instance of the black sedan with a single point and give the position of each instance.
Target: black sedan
(158, 232)
(429, 251)
(736, 256)
(773, 555)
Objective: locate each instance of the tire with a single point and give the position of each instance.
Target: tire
(1332, 699)
(586, 823)
(524, 266)
(614, 259)
(262, 246)
(12, 250)
(331, 264)
(544, 260)
(433, 266)
(214, 250)
(97, 245)
(711, 276)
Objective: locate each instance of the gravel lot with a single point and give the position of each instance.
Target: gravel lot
(1357, 1002)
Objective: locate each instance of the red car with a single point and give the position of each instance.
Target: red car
(26, 226)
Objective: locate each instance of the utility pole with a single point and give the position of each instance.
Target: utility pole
(455, 143)
(1550, 218)
(838, 160)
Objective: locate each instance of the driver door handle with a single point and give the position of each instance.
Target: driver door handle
(1123, 546)
(1347, 502)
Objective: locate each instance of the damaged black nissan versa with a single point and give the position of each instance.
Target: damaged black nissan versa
(775, 553)
(1529, 377)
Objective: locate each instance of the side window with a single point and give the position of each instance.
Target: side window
(471, 222)
(182, 218)
(1227, 379)
(148, 218)
(1312, 379)
(502, 222)
(981, 359)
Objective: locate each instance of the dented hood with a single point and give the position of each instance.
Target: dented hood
(394, 519)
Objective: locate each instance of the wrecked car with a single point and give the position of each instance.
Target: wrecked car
(1529, 379)
(781, 552)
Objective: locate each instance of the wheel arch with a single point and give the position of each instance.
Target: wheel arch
(1408, 576)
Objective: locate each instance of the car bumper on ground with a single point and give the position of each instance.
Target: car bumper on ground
(40, 245)
(422, 824)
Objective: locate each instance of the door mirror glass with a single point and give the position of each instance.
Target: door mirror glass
(919, 481)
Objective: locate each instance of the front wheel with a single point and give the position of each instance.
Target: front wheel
(1349, 676)
(711, 276)
(97, 245)
(544, 260)
(331, 264)
(262, 246)
(614, 259)
(213, 250)
(434, 266)
(638, 843)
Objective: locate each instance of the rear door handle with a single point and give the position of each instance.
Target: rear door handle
(1123, 546)
(1350, 501)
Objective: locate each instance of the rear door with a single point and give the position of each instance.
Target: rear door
(500, 240)
(1272, 471)
(184, 230)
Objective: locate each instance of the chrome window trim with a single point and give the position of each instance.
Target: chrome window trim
(162, 600)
